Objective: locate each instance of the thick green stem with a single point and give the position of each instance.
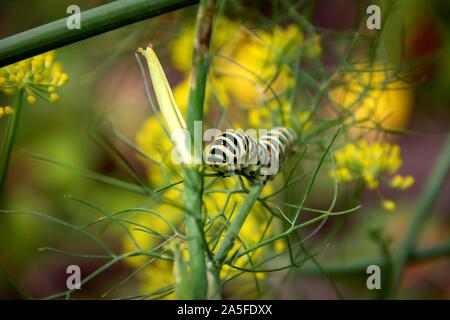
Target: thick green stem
(426, 202)
(200, 63)
(193, 191)
(10, 135)
(237, 223)
(214, 283)
(194, 229)
(93, 22)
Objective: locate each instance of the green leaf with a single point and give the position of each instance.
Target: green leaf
(167, 105)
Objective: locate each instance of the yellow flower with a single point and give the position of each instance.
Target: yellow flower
(153, 141)
(31, 99)
(280, 246)
(372, 183)
(370, 162)
(257, 71)
(374, 95)
(260, 275)
(400, 182)
(248, 68)
(227, 37)
(389, 205)
(39, 76)
(408, 181)
(54, 97)
(181, 95)
(342, 174)
(5, 111)
(8, 110)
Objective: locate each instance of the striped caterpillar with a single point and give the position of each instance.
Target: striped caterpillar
(238, 153)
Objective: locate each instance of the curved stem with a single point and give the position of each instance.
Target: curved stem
(8, 143)
(237, 223)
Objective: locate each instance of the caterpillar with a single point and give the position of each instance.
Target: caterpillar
(237, 153)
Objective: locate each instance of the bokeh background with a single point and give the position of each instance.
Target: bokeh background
(105, 82)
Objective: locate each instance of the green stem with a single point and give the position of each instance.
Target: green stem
(425, 205)
(193, 176)
(236, 224)
(8, 143)
(360, 267)
(193, 189)
(93, 22)
(214, 284)
(200, 63)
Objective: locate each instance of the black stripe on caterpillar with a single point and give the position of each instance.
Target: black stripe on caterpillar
(237, 153)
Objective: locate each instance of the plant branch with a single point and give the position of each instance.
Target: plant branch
(93, 22)
(193, 176)
(10, 136)
(360, 267)
(425, 205)
(237, 223)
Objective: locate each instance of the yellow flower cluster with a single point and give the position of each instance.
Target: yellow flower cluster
(400, 182)
(375, 95)
(371, 162)
(250, 70)
(38, 76)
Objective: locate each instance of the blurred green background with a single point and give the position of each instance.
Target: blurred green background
(105, 80)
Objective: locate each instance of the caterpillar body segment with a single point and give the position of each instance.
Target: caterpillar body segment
(238, 153)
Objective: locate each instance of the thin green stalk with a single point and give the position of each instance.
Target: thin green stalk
(93, 22)
(236, 224)
(10, 135)
(425, 205)
(360, 267)
(193, 176)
